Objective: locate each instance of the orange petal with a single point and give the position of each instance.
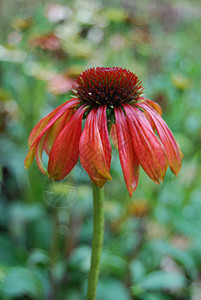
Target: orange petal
(172, 148)
(127, 156)
(148, 148)
(92, 151)
(65, 150)
(155, 106)
(39, 153)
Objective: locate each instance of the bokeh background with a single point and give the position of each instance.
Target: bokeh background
(152, 243)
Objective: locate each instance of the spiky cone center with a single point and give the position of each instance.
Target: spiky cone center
(107, 86)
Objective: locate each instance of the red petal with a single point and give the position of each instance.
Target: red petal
(65, 150)
(54, 131)
(171, 147)
(48, 139)
(43, 122)
(127, 156)
(44, 126)
(102, 126)
(113, 134)
(149, 150)
(93, 155)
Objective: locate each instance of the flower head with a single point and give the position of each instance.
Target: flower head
(111, 101)
(107, 86)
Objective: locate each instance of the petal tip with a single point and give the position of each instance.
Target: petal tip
(26, 167)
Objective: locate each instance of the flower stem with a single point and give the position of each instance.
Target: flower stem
(98, 230)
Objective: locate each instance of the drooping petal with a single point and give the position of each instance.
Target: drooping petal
(30, 156)
(56, 128)
(43, 122)
(113, 135)
(92, 152)
(127, 156)
(47, 140)
(102, 126)
(172, 148)
(155, 106)
(148, 148)
(65, 150)
(32, 151)
(39, 153)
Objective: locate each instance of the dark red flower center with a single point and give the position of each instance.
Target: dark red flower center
(110, 86)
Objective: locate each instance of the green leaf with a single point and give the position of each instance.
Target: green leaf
(137, 270)
(155, 296)
(20, 281)
(112, 263)
(160, 280)
(112, 289)
(182, 257)
(38, 256)
(81, 258)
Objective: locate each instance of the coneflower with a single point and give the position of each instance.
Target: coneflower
(109, 98)
(111, 101)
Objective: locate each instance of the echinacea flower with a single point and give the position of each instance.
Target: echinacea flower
(111, 101)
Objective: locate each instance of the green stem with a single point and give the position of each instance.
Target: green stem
(98, 230)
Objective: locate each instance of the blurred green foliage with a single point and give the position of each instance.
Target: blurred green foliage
(152, 242)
